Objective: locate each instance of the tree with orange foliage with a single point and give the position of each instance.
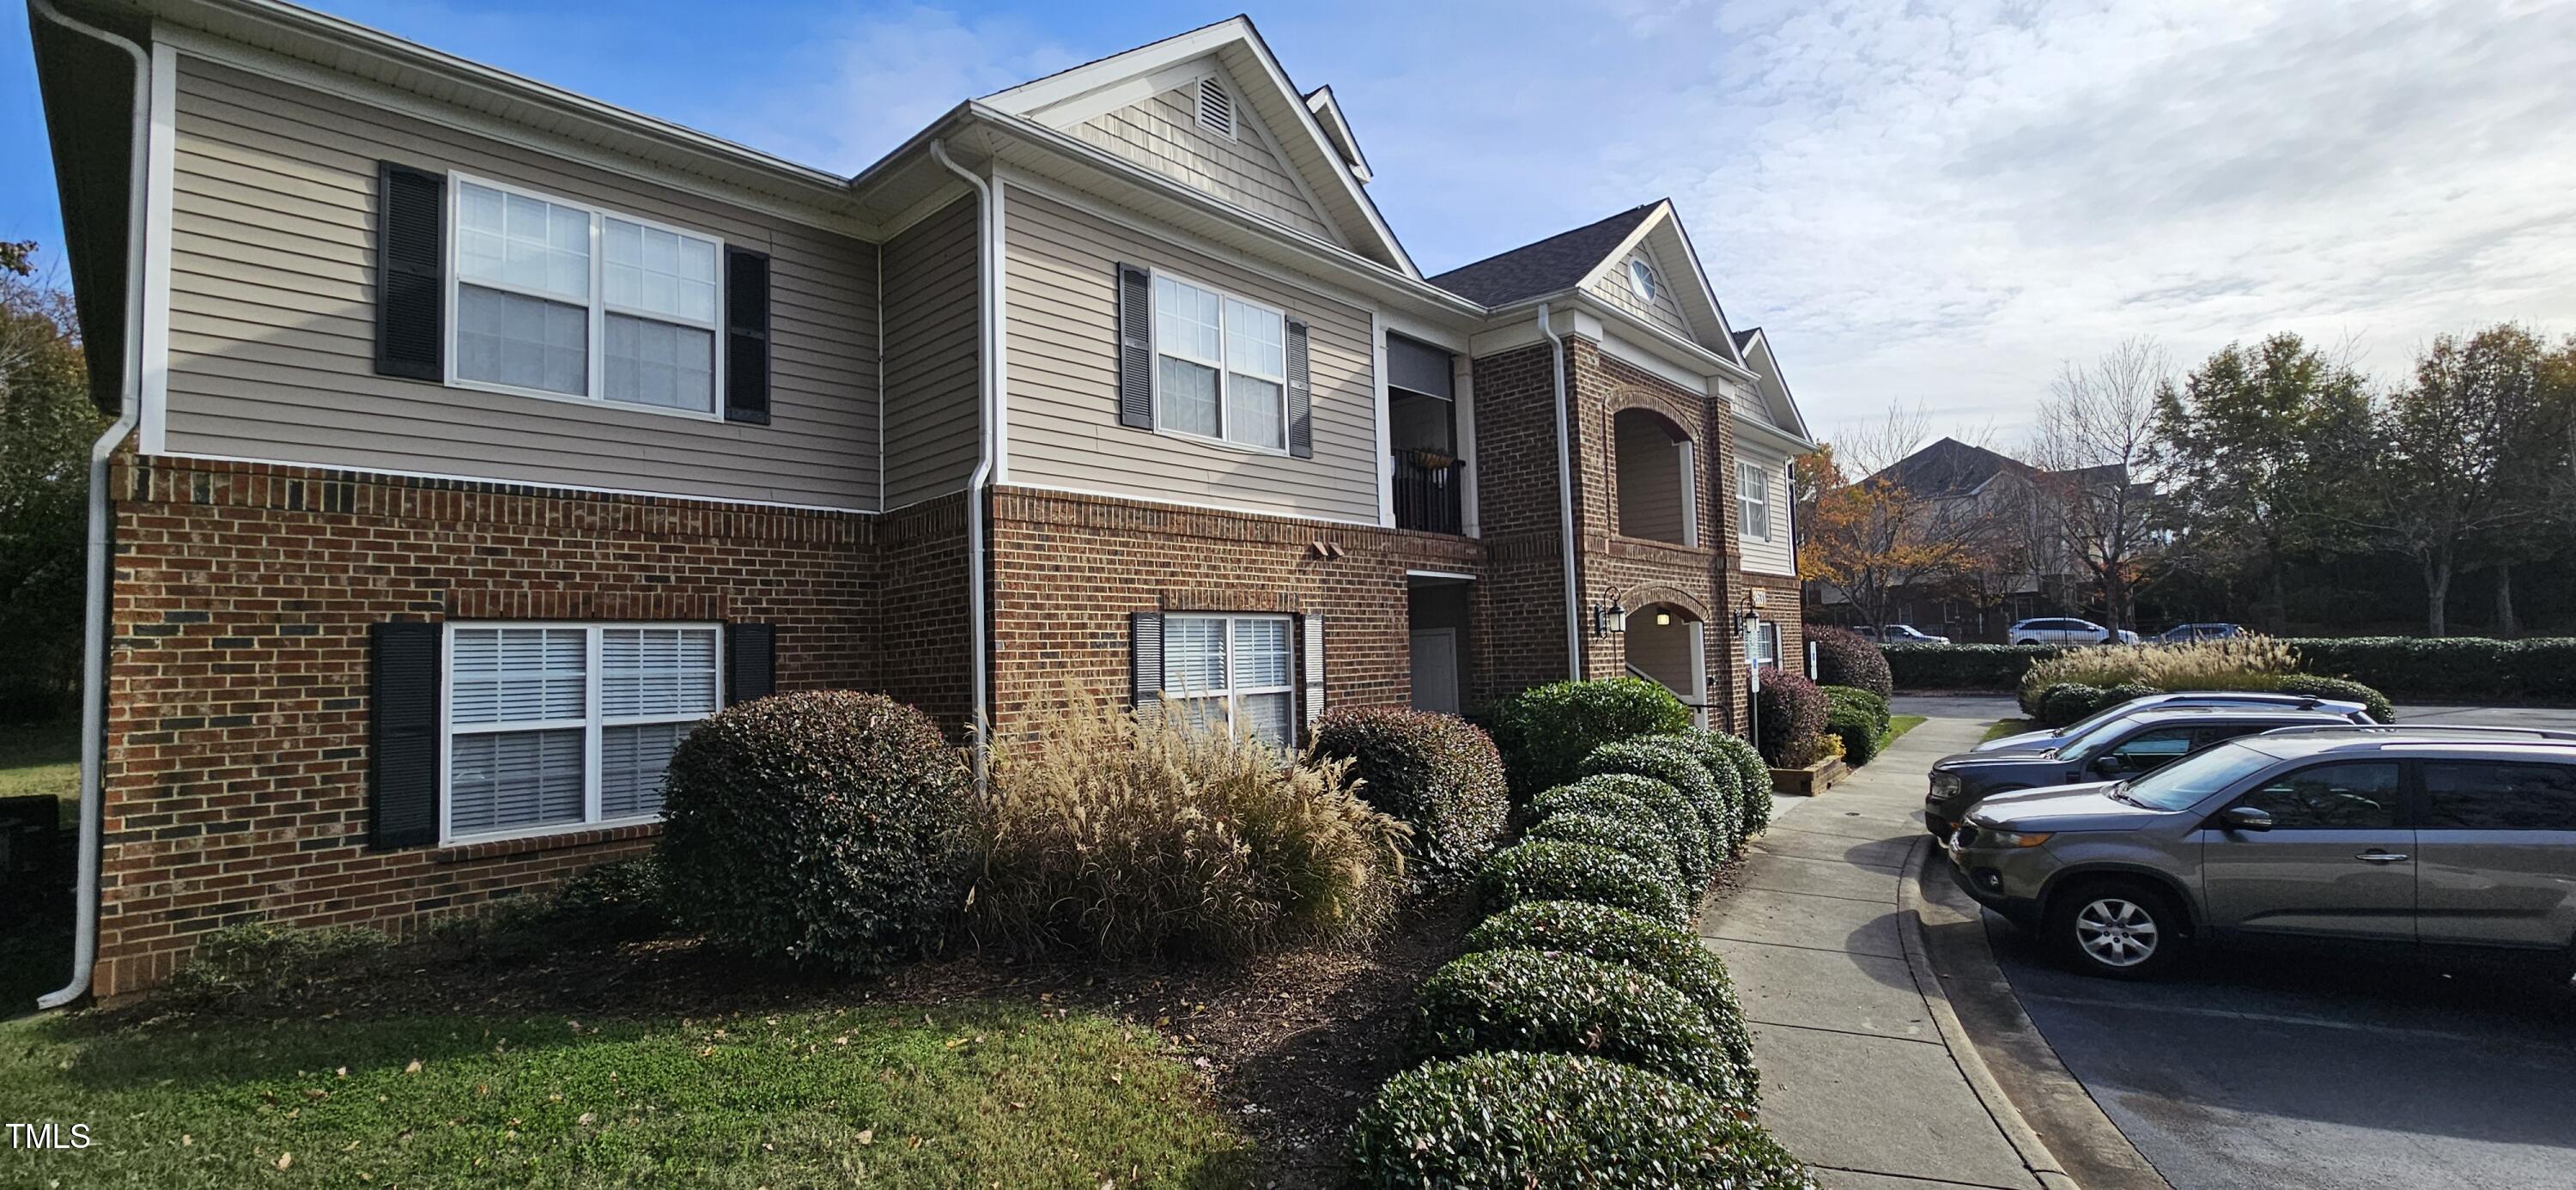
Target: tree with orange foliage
(1871, 537)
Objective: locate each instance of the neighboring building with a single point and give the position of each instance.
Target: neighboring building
(2023, 565)
(490, 435)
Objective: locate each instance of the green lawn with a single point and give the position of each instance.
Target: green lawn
(2005, 727)
(968, 1095)
(42, 758)
(1898, 725)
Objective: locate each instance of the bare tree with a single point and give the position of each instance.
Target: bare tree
(2095, 446)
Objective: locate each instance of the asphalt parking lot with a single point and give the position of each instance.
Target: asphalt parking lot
(2317, 1070)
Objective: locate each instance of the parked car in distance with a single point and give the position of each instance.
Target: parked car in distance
(2461, 840)
(2183, 634)
(2131, 745)
(2062, 631)
(1899, 634)
(2033, 741)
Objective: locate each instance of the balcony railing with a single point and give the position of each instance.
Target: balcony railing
(1428, 492)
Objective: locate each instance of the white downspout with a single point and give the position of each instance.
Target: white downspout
(989, 255)
(1565, 501)
(94, 620)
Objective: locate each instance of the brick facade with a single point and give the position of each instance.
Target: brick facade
(237, 681)
(1068, 570)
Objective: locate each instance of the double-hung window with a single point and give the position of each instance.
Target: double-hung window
(1231, 673)
(1752, 502)
(558, 726)
(558, 299)
(1220, 365)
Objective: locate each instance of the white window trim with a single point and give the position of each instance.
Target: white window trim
(1233, 694)
(591, 725)
(1642, 280)
(1749, 478)
(1224, 371)
(595, 367)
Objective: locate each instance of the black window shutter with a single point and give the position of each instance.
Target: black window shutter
(411, 298)
(1145, 662)
(751, 662)
(1301, 395)
(403, 689)
(1310, 668)
(746, 336)
(1135, 348)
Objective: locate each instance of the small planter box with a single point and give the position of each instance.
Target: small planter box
(1811, 780)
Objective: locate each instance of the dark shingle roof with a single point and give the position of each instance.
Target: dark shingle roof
(1744, 338)
(1548, 266)
(1950, 467)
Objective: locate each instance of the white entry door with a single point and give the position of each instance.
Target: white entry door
(1435, 670)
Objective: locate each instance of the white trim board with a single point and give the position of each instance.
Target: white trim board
(1267, 514)
(161, 184)
(548, 485)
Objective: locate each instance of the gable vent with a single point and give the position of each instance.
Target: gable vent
(1216, 108)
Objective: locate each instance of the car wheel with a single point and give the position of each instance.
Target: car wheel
(2117, 930)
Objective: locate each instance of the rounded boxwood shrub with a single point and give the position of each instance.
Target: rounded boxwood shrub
(1511, 1121)
(1439, 773)
(1844, 659)
(826, 827)
(1546, 731)
(1717, 749)
(1856, 728)
(2066, 702)
(1673, 813)
(1537, 1001)
(2339, 688)
(1792, 713)
(1713, 798)
(1632, 837)
(1618, 936)
(1546, 870)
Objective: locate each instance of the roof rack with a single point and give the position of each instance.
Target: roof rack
(2464, 731)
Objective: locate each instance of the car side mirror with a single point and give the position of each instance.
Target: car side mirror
(2245, 818)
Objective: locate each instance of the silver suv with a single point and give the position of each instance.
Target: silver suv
(2413, 837)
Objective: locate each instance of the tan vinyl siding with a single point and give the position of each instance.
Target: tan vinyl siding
(272, 317)
(1063, 413)
(1775, 555)
(1747, 399)
(933, 278)
(1163, 134)
(1663, 312)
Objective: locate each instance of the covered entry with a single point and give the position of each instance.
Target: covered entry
(1436, 609)
(1667, 644)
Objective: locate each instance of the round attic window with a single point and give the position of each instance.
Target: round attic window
(1641, 278)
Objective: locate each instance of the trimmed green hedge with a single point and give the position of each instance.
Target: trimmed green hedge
(1618, 936)
(2339, 688)
(1636, 838)
(1439, 773)
(2458, 668)
(1860, 717)
(1545, 870)
(1843, 658)
(1511, 1121)
(1533, 1001)
(1712, 798)
(1546, 731)
(1962, 667)
(1679, 818)
(1753, 777)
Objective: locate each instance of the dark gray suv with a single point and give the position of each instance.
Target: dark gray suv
(2413, 837)
(2126, 746)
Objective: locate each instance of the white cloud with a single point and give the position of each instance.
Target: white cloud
(857, 88)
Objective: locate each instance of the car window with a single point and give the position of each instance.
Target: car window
(2487, 796)
(2150, 749)
(2182, 784)
(2345, 795)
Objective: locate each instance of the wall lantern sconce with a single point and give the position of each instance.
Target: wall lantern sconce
(1663, 619)
(1606, 620)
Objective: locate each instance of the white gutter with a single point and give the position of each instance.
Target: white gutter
(1565, 499)
(94, 619)
(989, 251)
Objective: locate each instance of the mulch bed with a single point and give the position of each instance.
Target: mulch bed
(1291, 1044)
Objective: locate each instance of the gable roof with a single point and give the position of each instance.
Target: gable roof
(1557, 263)
(1949, 467)
(1069, 97)
(1771, 384)
(1328, 112)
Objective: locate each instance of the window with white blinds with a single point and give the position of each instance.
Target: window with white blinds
(1231, 673)
(554, 726)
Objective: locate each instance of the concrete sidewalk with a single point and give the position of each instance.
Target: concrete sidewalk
(1857, 1077)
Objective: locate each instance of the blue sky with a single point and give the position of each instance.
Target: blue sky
(1924, 203)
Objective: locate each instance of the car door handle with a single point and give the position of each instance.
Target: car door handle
(2382, 857)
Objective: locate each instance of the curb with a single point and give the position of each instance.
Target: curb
(2017, 1131)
